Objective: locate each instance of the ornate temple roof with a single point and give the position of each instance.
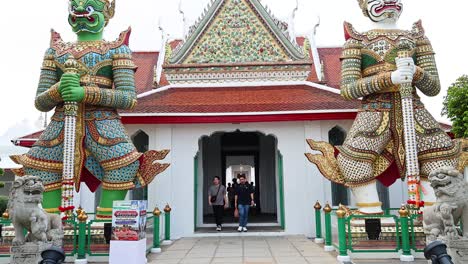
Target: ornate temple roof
(200, 100)
(231, 26)
(237, 40)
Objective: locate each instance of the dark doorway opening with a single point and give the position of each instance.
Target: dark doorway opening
(229, 155)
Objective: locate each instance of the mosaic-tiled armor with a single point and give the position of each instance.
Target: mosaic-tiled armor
(375, 141)
(374, 70)
(103, 151)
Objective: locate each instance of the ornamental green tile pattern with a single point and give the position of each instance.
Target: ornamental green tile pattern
(237, 35)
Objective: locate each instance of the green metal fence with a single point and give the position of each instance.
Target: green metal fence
(417, 243)
(86, 236)
(346, 232)
(6, 238)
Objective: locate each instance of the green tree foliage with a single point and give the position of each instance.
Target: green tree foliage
(3, 199)
(3, 204)
(2, 184)
(456, 106)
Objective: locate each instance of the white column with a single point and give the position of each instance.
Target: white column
(85, 199)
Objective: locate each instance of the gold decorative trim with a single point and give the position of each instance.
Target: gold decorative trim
(450, 153)
(103, 217)
(463, 160)
(78, 50)
(351, 53)
(44, 165)
(326, 163)
(79, 147)
(418, 75)
(123, 64)
(366, 205)
(48, 64)
(52, 210)
(54, 93)
(376, 69)
(118, 186)
(92, 95)
(103, 209)
(53, 186)
(87, 79)
(120, 162)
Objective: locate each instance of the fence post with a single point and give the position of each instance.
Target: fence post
(343, 256)
(6, 215)
(405, 240)
(328, 228)
(318, 223)
(167, 225)
(156, 225)
(82, 218)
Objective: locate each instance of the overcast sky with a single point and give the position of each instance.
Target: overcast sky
(26, 26)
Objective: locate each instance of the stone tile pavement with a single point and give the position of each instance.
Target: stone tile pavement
(248, 250)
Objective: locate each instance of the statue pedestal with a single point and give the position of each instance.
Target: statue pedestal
(29, 253)
(123, 252)
(458, 250)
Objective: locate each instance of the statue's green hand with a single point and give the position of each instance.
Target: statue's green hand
(67, 80)
(70, 88)
(74, 94)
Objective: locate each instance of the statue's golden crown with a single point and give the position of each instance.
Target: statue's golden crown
(363, 5)
(109, 10)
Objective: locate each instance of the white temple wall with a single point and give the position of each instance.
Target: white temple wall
(303, 183)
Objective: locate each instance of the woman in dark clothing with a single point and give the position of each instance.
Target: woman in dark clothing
(218, 200)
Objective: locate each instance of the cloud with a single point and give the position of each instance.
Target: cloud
(19, 129)
(24, 52)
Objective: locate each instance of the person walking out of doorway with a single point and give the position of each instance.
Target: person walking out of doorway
(218, 200)
(231, 193)
(243, 200)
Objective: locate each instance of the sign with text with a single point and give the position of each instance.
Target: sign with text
(129, 220)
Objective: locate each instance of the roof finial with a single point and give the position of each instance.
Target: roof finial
(317, 25)
(292, 25)
(315, 53)
(184, 19)
(160, 27)
(162, 53)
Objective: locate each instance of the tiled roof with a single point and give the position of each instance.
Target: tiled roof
(330, 57)
(28, 140)
(242, 99)
(146, 61)
(34, 135)
(332, 65)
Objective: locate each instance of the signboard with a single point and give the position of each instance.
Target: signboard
(129, 220)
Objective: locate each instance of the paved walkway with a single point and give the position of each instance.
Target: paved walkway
(248, 250)
(251, 250)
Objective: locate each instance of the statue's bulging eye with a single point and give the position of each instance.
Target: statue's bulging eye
(90, 9)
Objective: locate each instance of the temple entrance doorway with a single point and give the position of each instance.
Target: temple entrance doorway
(230, 155)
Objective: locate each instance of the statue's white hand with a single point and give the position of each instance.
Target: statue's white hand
(406, 63)
(402, 76)
(405, 71)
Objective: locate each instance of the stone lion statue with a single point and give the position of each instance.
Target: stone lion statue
(451, 191)
(26, 212)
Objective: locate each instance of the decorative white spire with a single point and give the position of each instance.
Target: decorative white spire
(184, 19)
(315, 53)
(162, 54)
(292, 25)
